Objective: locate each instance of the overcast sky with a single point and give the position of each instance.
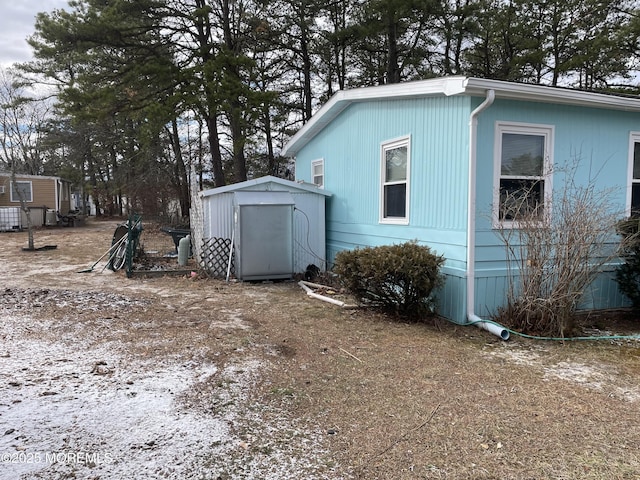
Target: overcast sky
(17, 18)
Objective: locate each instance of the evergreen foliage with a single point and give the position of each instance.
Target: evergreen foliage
(398, 278)
(152, 89)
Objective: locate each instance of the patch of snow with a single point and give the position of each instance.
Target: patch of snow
(576, 372)
(234, 320)
(517, 356)
(596, 377)
(96, 413)
(599, 378)
(73, 406)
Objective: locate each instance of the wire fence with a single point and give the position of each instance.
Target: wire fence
(153, 249)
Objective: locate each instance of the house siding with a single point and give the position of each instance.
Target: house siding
(597, 140)
(350, 147)
(439, 131)
(44, 192)
(451, 297)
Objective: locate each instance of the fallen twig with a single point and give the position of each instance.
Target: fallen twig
(406, 434)
(350, 354)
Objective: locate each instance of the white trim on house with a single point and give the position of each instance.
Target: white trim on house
(384, 183)
(456, 85)
(634, 137)
(57, 187)
(24, 175)
(317, 178)
(545, 131)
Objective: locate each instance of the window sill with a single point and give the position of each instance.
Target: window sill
(390, 221)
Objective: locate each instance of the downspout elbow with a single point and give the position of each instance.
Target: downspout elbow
(488, 101)
(489, 326)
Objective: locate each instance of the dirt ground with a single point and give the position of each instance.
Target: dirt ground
(105, 377)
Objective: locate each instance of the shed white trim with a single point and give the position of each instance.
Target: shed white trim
(308, 187)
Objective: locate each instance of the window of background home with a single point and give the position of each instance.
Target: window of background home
(23, 187)
(394, 207)
(523, 165)
(317, 173)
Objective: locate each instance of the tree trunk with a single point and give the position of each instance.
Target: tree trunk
(216, 155)
(181, 171)
(271, 161)
(24, 207)
(393, 71)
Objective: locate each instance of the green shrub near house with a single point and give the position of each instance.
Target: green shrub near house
(398, 278)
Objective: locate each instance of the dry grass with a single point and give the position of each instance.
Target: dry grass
(401, 401)
(434, 401)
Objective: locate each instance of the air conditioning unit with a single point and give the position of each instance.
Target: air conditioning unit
(1, 189)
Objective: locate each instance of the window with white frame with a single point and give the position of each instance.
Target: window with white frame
(317, 173)
(634, 175)
(24, 188)
(522, 169)
(394, 197)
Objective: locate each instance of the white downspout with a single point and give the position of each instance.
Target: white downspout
(58, 184)
(473, 319)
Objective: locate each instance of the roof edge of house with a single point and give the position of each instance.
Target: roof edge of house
(26, 175)
(449, 86)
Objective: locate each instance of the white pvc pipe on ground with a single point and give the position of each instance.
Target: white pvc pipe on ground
(311, 293)
(490, 327)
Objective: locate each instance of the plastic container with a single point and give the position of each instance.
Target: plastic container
(184, 249)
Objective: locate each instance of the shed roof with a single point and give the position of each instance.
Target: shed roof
(307, 187)
(455, 85)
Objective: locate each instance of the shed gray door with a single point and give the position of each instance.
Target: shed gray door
(264, 236)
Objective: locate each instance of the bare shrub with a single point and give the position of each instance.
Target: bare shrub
(554, 254)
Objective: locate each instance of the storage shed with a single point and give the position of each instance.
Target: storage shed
(259, 228)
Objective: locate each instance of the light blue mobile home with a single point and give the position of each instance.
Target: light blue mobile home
(426, 160)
